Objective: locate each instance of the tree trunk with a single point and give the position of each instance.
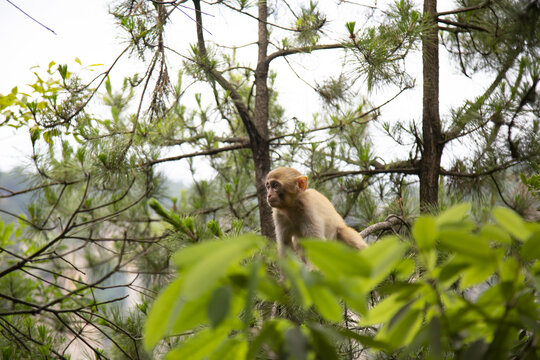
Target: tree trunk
(261, 147)
(431, 124)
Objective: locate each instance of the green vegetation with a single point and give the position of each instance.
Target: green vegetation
(454, 289)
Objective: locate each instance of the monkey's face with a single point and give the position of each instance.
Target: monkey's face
(275, 193)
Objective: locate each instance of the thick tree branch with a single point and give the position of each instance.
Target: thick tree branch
(389, 223)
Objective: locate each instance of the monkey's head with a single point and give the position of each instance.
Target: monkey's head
(283, 186)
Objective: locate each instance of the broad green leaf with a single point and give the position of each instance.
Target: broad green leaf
(402, 328)
(192, 313)
(205, 269)
(335, 259)
(453, 215)
(384, 310)
(326, 303)
(232, 349)
(512, 222)
(531, 249)
(465, 244)
(200, 345)
(161, 314)
(476, 274)
(383, 256)
(405, 269)
(492, 232)
(219, 305)
(424, 231)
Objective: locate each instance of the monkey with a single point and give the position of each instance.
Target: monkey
(299, 212)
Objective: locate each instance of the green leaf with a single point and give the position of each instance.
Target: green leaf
(492, 232)
(466, 244)
(384, 310)
(200, 345)
(191, 314)
(232, 349)
(476, 274)
(403, 327)
(207, 262)
(335, 259)
(531, 249)
(219, 305)
(383, 256)
(161, 315)
(512, 223)
(326, 303)
(453, 215)
(424, 232)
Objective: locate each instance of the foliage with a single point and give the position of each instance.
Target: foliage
(454, 289)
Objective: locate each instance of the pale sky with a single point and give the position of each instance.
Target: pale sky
(85, 30)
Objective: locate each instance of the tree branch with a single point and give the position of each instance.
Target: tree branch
(466, 9)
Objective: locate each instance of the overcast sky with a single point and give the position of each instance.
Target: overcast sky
(85, 30)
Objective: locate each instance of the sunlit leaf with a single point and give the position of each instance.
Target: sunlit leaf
(465, 244)
(454, 214)
(492, 232)
(383, 256)
(162, 314)
(335, 259)
(424, 231)
(326, 303)
(511, 222)
(232, 349)
(204, 268)
(199, 345)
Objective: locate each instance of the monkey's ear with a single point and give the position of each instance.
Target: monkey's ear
(302, 182)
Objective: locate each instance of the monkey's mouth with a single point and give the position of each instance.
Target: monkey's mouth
(271, 201)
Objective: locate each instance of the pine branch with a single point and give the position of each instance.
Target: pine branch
(198, 153)
(466, 9)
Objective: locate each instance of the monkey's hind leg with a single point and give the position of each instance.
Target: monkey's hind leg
(351, 237)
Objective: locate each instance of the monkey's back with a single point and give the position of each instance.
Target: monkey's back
(323, 211)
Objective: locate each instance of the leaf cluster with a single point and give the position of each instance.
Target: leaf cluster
(454, 289)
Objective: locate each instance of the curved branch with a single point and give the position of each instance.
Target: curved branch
(389, 223)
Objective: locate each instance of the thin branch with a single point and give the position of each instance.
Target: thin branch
(199, 153)
(33, 19)
(465, 9)
(463, 25)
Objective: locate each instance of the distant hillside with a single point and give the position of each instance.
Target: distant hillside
(13, 180)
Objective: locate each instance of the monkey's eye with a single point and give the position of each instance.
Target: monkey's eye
(275, 185)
